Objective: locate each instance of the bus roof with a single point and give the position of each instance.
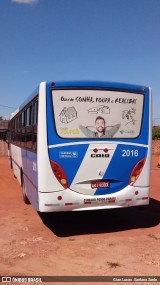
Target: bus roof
(100, 84)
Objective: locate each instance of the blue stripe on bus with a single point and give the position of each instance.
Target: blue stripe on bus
(120, 167)
(29, 165)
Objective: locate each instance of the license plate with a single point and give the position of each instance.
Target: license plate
(100, 184)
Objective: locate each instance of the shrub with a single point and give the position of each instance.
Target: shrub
(155, 133)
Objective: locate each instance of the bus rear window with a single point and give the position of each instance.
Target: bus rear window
(97, 113)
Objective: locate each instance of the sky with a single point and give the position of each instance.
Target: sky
(56, 40)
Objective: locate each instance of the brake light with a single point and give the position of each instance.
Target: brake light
(59, 173)
(136, 171)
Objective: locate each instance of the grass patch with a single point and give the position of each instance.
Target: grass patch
(111, 244)
(71, 239)
(153, 236)
(114, 264)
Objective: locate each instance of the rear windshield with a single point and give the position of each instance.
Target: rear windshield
(97, 113)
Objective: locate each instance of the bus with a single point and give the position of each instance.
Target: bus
(83, 145)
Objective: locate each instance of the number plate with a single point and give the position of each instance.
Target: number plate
(100, 184)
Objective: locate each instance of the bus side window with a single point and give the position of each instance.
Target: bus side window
(35, 113)
(16, 120)
(23, 131)
(18, 131)
(13, 130)
(29, 116)
(29, 127)
(23, 118)
(35, 121)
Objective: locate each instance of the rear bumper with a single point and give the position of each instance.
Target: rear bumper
(68, 200)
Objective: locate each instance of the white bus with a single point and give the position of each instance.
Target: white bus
(83, 146)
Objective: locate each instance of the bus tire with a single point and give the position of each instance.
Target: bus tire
(25, 198)
(10, 163)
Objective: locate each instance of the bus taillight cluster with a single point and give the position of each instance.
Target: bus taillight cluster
(59, 173)
(136, 171)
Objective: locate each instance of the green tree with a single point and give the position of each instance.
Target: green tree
(156, 133)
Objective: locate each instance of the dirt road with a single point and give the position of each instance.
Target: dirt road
(111, 242)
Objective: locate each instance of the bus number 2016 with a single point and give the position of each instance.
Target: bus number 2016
(128, 152)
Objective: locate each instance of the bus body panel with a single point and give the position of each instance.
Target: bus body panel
(46, 181)
(24, 165)
(83, 166)
(68, 200)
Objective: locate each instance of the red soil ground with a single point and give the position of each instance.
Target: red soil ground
(103, 243)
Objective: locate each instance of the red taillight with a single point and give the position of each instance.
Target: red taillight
(59, 173)
(136, 171)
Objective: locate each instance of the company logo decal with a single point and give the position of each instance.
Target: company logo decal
(99, 155)
(68, 154)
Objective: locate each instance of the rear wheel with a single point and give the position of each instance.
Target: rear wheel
(10, 163)
(25, 198)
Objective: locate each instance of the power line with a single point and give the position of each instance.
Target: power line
(7, 107)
